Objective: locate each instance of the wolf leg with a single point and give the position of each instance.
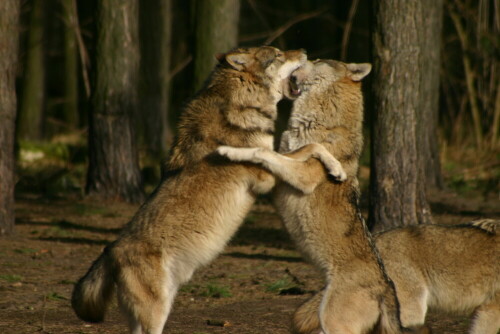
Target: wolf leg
(487, 317)
(296, 168)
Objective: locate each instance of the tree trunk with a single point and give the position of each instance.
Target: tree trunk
(113, 160)
(9, 39)
(29, 123)
(155, 32)
(428, 113)
(70, 109)
(216, 31)
(397, 194)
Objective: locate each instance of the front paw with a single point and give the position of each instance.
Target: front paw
(227, 151)
(337, 172)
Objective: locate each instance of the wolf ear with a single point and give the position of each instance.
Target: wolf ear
(238, 60)
(358, 71)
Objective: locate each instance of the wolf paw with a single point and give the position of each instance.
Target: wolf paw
(338, 173)
(236, 153)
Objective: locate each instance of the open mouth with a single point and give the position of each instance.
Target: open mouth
(294, 88)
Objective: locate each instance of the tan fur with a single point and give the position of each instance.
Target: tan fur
(203, 200)
(326, 224)
(453, 269)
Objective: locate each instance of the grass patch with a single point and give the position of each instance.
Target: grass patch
(55, 296)
(11, 278)
(25, 250)
(279, 285)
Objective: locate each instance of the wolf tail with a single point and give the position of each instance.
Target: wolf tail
(306, 318)
(93, 292)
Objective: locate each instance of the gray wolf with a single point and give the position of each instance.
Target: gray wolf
(202, 200)
(449, 268)
(325, 222)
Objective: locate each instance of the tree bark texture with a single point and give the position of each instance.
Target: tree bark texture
(216, 31)
(155, 33)
(113, 160)
(9, 40)
(397, 194)
(29, 123)
(428, 114)
(70, 109)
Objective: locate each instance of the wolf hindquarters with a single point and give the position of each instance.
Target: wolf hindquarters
(93, 292)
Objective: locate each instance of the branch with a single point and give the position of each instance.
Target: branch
(347, 29)
(281, 30)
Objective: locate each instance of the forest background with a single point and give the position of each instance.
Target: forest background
(74, 55)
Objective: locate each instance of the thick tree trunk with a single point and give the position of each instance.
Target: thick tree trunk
(397, 194)
(428, 113)
(216, 31)
(29, 123)
(113, 160)
(9, 39)
(155, 32)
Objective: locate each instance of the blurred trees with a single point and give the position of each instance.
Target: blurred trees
(215, 31)
(113, 171)
(155, 40)
(9, 39)
(31, 105)
(177, 43)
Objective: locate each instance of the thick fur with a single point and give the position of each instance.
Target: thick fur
(326, 223)
(203, 198)
(449, 268)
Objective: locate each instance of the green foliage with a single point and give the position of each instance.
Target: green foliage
(216, 291)
(279, 285)
(55, 296)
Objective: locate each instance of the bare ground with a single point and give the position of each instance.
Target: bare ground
(253, 287)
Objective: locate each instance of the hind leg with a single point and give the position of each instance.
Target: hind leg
(347, 311)
(487, 317)
(146, 302)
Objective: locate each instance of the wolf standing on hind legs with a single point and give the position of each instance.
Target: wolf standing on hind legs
(192, 214)
(326, 223)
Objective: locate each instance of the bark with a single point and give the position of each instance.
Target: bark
(216, 31)
(70, 109)
(113, 160)
(155, 32)
(397, 194)
(9, 38)
(428, 113)
(30, 117)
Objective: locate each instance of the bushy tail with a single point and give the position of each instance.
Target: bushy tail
(93, 292)
(306, 318)
(490, 226)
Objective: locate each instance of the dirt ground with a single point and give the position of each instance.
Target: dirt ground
(253, 287)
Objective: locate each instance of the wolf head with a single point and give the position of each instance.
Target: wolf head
(322, 73)
(327, 96)
(268, 65)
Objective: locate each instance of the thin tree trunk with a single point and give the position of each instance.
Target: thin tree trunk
(216, 31)
(156, 32)
(397, 195)
(70, 109)
(113, 160)
(30, 117)
(428, 113)
(9, 40)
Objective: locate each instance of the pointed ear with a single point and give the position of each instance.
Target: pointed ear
(238, 60)
(358, 71)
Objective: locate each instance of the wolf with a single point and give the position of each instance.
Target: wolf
(203, 199)
(449, 268)
(325, 222)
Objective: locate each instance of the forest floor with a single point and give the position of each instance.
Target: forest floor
(253, 287)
